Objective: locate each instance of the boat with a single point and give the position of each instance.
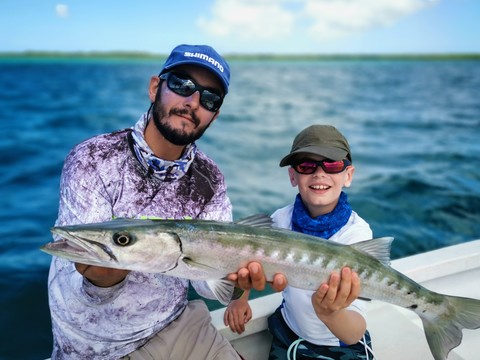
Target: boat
(397, 333)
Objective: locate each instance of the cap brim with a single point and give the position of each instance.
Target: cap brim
(327, 152)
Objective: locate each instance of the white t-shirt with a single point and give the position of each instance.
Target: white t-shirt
(297, 308)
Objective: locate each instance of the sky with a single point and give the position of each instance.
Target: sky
(242, 26)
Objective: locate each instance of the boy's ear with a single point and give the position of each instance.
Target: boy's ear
(349, 176)
(292, 176)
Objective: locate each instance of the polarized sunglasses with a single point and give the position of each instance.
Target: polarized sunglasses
(183, 85)
(329, 166)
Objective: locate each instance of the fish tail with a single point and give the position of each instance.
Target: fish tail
(445, 332)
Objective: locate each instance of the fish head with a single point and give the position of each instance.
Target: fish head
(139, 245)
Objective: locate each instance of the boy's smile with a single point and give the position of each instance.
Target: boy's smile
(320, 191)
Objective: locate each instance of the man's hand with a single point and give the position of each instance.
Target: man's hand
(101, 276)
(253, 276)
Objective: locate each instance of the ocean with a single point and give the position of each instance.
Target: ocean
(413, 127)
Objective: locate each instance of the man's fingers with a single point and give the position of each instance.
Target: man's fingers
(257, 276)
(253, 276)
(279, 282)
(244, 279)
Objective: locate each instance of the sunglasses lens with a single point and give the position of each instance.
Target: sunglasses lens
(185, 86)
(333, 167)
(210, 101)
(306, 167)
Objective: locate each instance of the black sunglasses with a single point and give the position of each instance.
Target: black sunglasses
(183, 85)
(329, 166)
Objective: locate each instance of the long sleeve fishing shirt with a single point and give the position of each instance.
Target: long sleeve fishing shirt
(102, 179)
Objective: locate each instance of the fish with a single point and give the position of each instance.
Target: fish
(210, 250)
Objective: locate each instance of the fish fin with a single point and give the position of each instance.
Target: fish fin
(258, 220)
(224, 290)
(237, 293)
(379, 248)
(445, 332)
(192, 263)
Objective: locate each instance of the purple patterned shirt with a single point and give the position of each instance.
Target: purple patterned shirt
(102, 179)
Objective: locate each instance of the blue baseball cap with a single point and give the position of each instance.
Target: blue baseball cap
(201, 55)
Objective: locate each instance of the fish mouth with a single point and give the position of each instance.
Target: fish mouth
(78, 248)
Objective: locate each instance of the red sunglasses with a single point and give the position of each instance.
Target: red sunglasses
(307, 167)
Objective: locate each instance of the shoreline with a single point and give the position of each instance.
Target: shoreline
(126, 55)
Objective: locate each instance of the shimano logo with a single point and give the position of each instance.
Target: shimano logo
(206, 58)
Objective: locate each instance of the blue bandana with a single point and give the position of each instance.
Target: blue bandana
(161, 169)
(323, 226)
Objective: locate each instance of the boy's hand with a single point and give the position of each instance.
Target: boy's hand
(340, 291)
(237, 314)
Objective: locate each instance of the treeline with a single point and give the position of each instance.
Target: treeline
(271, 57)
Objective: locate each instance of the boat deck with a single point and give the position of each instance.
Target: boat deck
(397, 333)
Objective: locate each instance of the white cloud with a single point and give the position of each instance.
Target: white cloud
(341, 18)
(246, 20)
(322, 20)
(62, 10)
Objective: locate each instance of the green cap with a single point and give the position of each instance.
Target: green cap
(322, 140)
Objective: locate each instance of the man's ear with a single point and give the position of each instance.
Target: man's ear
(153, 88)
(292, 176)
(215, 115)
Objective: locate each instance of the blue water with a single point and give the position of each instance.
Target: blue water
(413, 127)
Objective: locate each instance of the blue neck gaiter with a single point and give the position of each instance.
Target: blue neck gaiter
(323, 226)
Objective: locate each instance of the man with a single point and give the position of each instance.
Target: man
(152, 170)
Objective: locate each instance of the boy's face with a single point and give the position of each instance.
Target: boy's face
(320, 191)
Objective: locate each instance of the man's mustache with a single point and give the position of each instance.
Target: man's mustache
(187, 112)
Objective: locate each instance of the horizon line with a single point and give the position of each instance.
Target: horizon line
(235, 55)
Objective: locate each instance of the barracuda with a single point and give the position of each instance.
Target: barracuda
(209, 250)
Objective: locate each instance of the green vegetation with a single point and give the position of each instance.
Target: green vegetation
(79, 54)
(90, 55)
(342, 57)
(126, 55)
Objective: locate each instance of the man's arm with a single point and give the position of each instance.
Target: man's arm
(102, 276)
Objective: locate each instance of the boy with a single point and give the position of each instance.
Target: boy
(328, 322)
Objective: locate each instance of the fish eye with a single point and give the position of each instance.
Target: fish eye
(122, 238)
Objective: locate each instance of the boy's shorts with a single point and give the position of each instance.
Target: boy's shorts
(189, 337)
(284, 337)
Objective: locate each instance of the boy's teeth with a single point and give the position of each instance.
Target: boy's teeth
(319, 187)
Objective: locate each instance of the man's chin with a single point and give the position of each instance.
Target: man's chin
(179, 137)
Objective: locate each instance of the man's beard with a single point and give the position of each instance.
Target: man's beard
(175, 136)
